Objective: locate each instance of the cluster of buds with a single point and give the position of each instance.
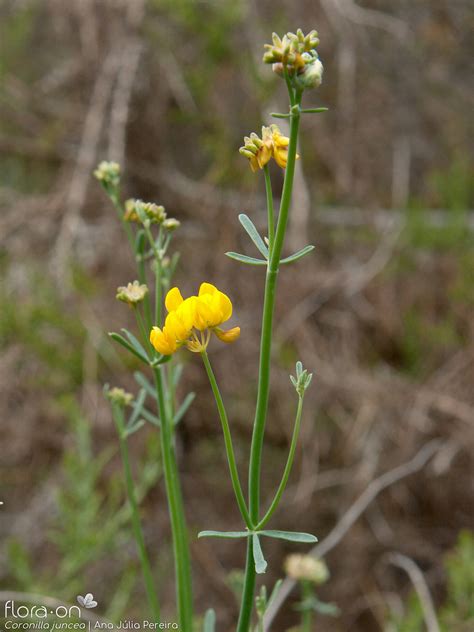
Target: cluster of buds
(132, 293)
(259, 151)
(119, 396)
(306, 568)
(108, 174)
(295, 54)
(139, 211)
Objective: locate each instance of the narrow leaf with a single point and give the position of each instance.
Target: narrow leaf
(298, 255)
(163, 359)
(137, 407)
(134, 342)
(209, 621)
(177, 373)
(280, 115)
(260, 562)
(224, 534)
(253, 233)
(275, 591)
(245, 259)
(144, 383)
(153, 419)
(182, 410)
(314, 110)
(291, 536)
(132, 429)
(121, 340)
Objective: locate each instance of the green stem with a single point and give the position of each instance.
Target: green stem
(115, 197)
(307, 615)
(234, 474)
(176, 511)
(270, 208)
(142, 278)
(265, 353)
(136, 523)
(158, 294)
(248, 591)
(286, 473)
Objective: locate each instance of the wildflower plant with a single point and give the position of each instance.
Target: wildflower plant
(189, 324)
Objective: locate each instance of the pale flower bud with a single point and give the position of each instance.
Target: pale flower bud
(306, 568)
(311, 75)
(132, 293)
(119, 396)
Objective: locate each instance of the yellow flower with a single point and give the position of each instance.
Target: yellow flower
(259, 151)
(191, 321)
(280, 147)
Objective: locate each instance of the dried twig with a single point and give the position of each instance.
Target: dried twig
(354, 512)
(123, 91)
(421, 587)
(85, 162)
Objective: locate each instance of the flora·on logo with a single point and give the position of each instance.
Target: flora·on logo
(38, 612)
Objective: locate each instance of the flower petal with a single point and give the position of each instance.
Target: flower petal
(207, 288)
(173, 299)
(228, 336)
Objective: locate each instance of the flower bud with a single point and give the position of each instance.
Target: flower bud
(138, 211)
(171, 224)
(108, 173)
(132, 293)
(311, 75)
(119, 396)
(306, 568)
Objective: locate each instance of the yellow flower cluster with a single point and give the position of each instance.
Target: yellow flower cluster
(289, 49)
(296, 54)
(260, 151)
(191, 321)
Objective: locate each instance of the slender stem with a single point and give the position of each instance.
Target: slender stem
(265, 352)
(270, 208)
(245, 614)
(142, 278)
(291, 92)
(234, 474)
(115, 197)
(176, 511)
(288, 466)
(136, 523)
(158, 293)
(307, 615)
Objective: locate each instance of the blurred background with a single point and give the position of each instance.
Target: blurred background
(381, 313)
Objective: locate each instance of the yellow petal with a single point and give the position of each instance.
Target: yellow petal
(205, 315)
(175, 327)
(228, 336)
(225, 305)
(187, 312)
(173, 299)
(207, 288)
(281, 157)
(162, 342)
